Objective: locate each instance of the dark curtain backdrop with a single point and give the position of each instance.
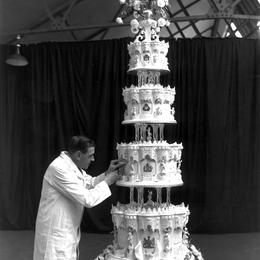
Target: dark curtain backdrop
(76, 88)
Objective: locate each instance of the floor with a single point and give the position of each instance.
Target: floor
(18, 245)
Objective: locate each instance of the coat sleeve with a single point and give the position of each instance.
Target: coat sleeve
(89, 180)
(67, 183)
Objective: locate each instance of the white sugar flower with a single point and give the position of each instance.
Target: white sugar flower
(134, 23)
(161, 22)
(119, 20)
(161, 3)
(137, 5)
(153, 24)
(136, 14)
(122, 2)
(134, 30)
(157, 29)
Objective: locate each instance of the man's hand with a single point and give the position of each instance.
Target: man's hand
(111, 177)
(115, 165)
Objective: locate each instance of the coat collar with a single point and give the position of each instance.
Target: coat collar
(65, 156)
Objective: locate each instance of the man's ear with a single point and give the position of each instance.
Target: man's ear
(78, 155)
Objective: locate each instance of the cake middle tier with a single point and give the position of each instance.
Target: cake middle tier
(149, 103)
(150, 164)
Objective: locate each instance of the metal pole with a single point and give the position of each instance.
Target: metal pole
(173, 19)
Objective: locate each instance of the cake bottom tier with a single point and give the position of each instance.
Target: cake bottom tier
(179, 252)
(150, 231)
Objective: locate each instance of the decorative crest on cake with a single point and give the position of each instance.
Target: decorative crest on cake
(148, 167)
(149, 242)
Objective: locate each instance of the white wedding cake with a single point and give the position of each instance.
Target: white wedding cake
(149, 229)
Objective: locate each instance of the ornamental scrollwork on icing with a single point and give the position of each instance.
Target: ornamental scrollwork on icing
(115, 235)
(130, 242)
(158, 112)
(166, 223)
(118, 220)
(132, 224)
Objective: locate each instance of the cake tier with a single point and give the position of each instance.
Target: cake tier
(147, 52)
(150, 232)
(150, 103)
(153, 231)
(150, 164)
(148, 56)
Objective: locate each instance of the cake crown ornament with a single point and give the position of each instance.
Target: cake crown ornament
(139, 8)
(148, 102)
(148, 228)
(149, 16)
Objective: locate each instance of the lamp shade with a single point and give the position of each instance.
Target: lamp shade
(16, 60)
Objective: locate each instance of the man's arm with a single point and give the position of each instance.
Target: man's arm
(70, 186)
(99, 178)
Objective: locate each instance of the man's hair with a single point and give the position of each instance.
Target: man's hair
(80, 143)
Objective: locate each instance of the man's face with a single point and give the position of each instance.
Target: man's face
(86, 158)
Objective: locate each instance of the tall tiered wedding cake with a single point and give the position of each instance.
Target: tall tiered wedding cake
(147, 229)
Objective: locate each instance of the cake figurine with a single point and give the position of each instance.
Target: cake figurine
(149, 228)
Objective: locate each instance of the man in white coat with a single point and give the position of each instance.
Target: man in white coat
(66, 190)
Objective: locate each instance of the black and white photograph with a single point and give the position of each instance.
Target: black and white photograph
(130, 130)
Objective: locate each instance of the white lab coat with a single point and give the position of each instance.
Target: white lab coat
(65, 192)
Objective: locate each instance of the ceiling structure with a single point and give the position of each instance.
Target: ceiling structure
(80, 20)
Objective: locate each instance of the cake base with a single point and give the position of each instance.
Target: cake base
(181, 252)
(153, 231)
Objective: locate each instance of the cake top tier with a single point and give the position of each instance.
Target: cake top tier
(147, 52)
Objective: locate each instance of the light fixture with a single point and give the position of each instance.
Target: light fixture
(16, 59)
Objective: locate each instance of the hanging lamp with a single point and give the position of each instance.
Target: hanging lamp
(16, 59)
